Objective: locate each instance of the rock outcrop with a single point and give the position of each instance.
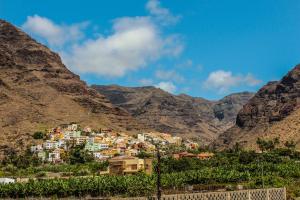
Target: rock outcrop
(272, 112)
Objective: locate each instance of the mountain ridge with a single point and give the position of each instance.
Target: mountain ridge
(37, 91)
(186, 116)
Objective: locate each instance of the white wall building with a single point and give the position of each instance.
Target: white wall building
(100, 156)
(54, 156)
(50, 144)
(36, 148)
(72, 127)
(7, 180)
(141, 137)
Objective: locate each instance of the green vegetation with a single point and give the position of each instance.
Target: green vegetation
(39, 135)
(267, 145)
(60, 170)
(19, 161)
(95, 186)
(249, 175)
(78, 154)
(275, 167)
(143, 155)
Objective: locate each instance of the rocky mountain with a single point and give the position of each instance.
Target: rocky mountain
(274, 111)
(182, 115)
(37, 91)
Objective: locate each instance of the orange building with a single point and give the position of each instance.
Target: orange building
(184, 155)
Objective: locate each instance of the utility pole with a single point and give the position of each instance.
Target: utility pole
(262, 175)
(158, 182)
(261, 159)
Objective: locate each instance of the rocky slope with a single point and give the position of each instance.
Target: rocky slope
(182, 115)
(273, 112)
(37, 91)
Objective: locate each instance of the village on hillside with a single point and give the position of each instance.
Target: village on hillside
(111, 146)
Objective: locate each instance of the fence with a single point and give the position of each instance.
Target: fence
(260, 194)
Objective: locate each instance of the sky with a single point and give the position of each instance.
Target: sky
(204, 48)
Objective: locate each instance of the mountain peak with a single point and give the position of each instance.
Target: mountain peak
(38, 92)
(13, 35)
(278, 102)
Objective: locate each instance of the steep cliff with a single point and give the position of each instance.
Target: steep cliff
(272, 112)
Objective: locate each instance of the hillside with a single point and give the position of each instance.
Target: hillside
(37, 91)
(182, 115)
(273, 112)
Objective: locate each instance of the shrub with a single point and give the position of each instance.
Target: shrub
(82, 172)
(41, 174)
(38, 135)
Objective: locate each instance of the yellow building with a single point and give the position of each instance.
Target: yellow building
(131, 152)
(110, 152)
(98, 139)
(175, 140)
(57, 136)
(81, 140)
(122, 165)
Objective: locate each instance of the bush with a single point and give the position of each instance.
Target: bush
(66, 174)
(82, 172)
(79, 155)
(143, 155)
(38, 135)
(247, 157)
(41, 174)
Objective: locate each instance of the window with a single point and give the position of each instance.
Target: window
(133, 167)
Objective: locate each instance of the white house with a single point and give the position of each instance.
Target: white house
(50, 144)
(87, 129)
(141, 137)
(7, 180)
(61, 143)
(42, 155)
(68, 135)
(96, 146)
(100, 156)
(72, 127)
(54, 156)
(36, 148)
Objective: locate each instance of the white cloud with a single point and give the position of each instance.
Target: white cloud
(134, 43)
(146, 82)
(174, 45)
(222, 81)
(167, 86)
(169, 75)
(55, 35)
(163, 15)
(185, 64)
(251, 80)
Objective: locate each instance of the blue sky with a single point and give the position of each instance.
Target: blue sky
(206, 48)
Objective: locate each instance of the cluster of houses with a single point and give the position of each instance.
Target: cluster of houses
(122, 165)
(102, 144)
